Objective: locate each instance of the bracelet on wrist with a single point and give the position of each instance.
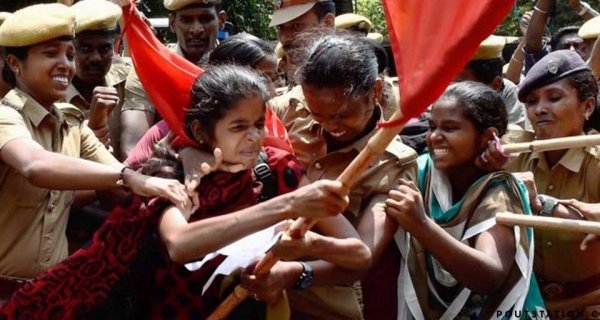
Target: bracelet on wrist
(121, 180)
(585, 7)
(535, 8)
(516, 60)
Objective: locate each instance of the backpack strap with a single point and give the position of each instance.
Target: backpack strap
(264, 174)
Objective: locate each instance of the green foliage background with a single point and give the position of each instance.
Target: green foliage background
(253, 15)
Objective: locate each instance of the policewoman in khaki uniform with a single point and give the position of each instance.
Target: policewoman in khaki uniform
(331, 119)
(41, 142)
(560, 95)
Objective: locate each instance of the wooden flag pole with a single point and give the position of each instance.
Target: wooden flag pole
(548, 223)
(374, 149)
(553, 144)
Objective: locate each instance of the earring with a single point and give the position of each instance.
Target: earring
(17, 71)
(587, 117)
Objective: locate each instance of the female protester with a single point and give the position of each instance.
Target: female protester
(560, 95)
(241, 49)
(455, 215)
(330, 119)
(227, 212)
(41, 141)
(227, 112)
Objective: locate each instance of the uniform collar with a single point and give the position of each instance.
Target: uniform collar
(30, 108)
(572, 160)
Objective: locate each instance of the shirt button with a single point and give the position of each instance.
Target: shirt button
(549, 243)
(51, 207)
(318, 166)
(551, 187)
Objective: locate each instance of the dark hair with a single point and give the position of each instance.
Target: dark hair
(587, 87)
(555, 40)
(7, 74)
(486, 70)
(241, 49)
(216, 91)
(340, 60)
(322, 8)
(199, 5)
(480, 104)
(379, 50)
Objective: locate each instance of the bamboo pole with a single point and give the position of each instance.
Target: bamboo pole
(549, 223)
(375, 147)
(553, 144)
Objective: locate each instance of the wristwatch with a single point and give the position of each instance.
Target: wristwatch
(306, 278)
(548, 205)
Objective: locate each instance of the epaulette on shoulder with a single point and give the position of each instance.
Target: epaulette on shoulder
(71, 111)
(594, 151)
(402, 152)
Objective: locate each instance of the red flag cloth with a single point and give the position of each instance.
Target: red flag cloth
(168, 78)
(432, 41)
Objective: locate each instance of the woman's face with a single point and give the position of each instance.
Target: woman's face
(46, 71)
(267, 67)
(556, 111)
(343, 119)
(241, 132)
(453, 140)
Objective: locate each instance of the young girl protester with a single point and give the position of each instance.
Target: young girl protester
(560, 93)
(457, 262)
(45, 149)
(241, 49)
(227, 111)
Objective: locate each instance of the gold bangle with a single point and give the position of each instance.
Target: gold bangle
(539, 10)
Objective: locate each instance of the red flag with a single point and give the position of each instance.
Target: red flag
(168, 78)
(432, 41)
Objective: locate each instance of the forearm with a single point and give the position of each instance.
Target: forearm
(537, 25)
(329, 274)
(350, 253)
(59, 172)
(187, 241)
(515, 65)
(469, 266)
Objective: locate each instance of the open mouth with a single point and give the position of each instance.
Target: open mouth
(440, 151)
(337, 134)
(61, 80)
(197, 43)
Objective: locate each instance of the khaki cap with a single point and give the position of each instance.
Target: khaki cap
(490, 48)
(353, 21)
(287, 10)
(590, 29)
(375, 36)
(96, 15)
(174, 5)
(37, 23)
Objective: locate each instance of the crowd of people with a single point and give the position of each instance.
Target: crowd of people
(264, 131)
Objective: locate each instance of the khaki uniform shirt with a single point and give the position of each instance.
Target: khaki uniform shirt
(399, 161)
(577, 175)
(135, 95)
(33, 219)
(116, 76)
